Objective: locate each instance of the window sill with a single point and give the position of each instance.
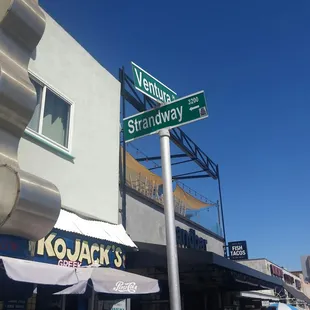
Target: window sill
(38, 139)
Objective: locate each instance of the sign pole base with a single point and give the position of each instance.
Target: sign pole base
(172, 252)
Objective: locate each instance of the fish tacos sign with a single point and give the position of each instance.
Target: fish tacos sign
(67, 249)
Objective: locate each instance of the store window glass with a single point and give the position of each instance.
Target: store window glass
(51, 118)
(55, 120)
(34, 122)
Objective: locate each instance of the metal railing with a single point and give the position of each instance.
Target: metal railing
(150, 189)
(154, 191)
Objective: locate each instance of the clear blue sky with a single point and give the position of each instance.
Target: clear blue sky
(253, 60)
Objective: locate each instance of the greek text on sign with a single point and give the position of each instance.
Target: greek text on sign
(151, 87)
(180, 112)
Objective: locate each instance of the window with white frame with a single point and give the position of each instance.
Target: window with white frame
(51, 118)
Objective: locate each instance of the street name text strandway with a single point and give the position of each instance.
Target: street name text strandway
(151, 121)
(177, 113)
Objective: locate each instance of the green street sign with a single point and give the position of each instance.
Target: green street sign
(151, 87)
(182, 111)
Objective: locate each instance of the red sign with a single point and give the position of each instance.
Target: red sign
(8, 246)
(276, 271)
(14, 246)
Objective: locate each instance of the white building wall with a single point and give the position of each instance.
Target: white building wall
(89, 183)
(263, 265)
(257, 264)
(146, 223)
(305, 285)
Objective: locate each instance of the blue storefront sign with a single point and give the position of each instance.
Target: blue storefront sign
(62, 248)
(72, 250)
(14, 247)
(238, 250)
(15, 304)
(190, 240)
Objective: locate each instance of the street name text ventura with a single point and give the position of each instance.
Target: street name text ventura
(152, 88)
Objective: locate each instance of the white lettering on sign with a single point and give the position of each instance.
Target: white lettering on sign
(125, 287)
(68, 263)
(81, 252)
(238, 250)
(152, 88)
(152, 121)
(237, 253)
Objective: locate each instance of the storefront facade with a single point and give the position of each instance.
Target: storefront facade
(146, 223)
(57, 96)
(53, 148)
(304, 284)
(291, 292)
(66, 248)
(208, 279)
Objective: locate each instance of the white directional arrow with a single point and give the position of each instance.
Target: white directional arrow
(194, 108)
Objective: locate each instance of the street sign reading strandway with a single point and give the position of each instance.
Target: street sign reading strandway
(150, 86)
(182, 111)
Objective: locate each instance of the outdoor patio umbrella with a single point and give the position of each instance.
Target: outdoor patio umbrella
(111, 281)
(38, 273)
(281, 306)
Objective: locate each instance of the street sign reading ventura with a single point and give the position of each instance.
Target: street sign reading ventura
(151, 87)
(182, 111)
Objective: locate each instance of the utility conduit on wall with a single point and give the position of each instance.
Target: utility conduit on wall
(29, 205)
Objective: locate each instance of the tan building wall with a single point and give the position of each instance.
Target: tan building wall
(305, 285)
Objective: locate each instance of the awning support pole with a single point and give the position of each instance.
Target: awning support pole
(205, 301)
(63, 302)
(128, 304)
(92, 299)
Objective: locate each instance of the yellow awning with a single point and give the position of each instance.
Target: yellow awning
(191, 202)
(147, 182)
(135, 171)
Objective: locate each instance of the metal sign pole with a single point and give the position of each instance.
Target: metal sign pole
(172, 253)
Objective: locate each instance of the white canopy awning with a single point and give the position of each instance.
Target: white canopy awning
(257, 295)
(71, 222)
(38, 273)
(104, 280)
(111, 281)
